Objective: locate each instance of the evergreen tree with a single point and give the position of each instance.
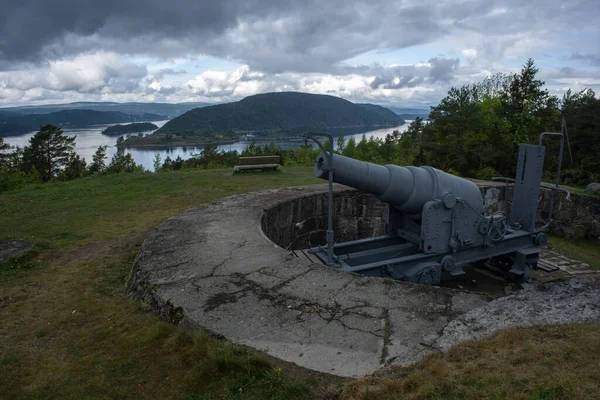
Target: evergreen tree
(341, 144)
(98, 165)
(122, 162)
(168, 164)
(157, 162)
(581, 112)
(4, 153)
(49, 152)
(76, 168)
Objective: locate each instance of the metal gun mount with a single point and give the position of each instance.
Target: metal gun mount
(436, 221)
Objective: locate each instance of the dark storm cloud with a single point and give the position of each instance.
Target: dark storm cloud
(271, 35)
(33, 28)
(90, 47)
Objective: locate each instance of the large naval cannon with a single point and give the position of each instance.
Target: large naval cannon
(436, 221)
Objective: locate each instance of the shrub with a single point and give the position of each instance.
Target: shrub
(10, 179)
(577, 177)
(486, 173)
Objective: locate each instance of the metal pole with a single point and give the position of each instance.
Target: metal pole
(329, 236)
(560, 157)
(566, 133)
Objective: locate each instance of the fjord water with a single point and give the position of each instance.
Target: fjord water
(88, 140)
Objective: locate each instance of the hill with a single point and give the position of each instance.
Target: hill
(165, 110)
(287, 112)
(19, 124)
(130, 128)
(410, 113)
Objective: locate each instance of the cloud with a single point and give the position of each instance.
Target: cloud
(86, 49)
(442, 69)
(85, 73)
(437, 69)
(219, 85)
(592, 59)
(274, 35)
(163, 72)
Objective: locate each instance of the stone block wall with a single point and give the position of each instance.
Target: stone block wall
(302, 222)
(577, 218)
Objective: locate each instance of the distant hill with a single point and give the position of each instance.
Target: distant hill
(136, 127)
(412, 117)
(7, 114)
(19, 124)
(165, 110)
(410, 113)
(281, 113)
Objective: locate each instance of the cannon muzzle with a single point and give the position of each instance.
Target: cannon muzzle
(405, 188)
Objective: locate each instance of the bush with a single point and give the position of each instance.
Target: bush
(576, 177)
(10, 180)
(486, 173)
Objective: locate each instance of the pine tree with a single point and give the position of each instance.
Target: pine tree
(157, 162)
(49, 152)
(98, 166)
(75, 168)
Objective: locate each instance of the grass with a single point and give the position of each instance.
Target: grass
(547, 363)
(581, 250)
(68, 329)
(67, 214)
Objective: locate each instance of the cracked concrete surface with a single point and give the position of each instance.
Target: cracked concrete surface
(214, 268)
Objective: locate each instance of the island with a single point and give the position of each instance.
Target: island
(130, 128)
(268, 116)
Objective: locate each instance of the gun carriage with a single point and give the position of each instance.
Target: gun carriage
(436, 221)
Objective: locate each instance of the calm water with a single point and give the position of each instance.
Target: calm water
(88, 140)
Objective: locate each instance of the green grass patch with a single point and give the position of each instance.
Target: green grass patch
(115, 206)
(585, 251)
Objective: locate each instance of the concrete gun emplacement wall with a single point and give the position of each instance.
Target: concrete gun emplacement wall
(436, 221)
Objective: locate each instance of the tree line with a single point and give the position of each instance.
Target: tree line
(51, 155)
(474, 132)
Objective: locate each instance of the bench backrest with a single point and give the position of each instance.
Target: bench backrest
(259, 160)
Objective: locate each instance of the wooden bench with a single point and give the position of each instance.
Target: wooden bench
(259, 163)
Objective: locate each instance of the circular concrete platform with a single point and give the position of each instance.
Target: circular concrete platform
(215, 268)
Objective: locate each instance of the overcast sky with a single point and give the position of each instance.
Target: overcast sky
(395, 52)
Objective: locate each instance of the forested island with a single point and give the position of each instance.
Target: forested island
(269, 115)
(136, 127)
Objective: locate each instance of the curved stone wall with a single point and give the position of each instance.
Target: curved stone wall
(301, 223)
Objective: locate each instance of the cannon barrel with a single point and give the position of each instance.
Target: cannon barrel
(405, 188)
